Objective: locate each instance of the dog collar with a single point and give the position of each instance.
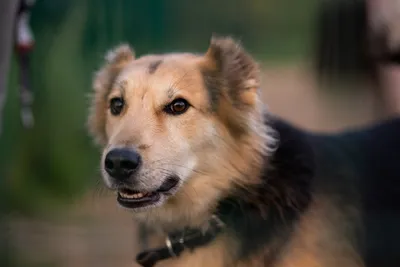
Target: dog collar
(177, 242)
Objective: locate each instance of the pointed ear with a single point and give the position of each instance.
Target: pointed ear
(115, 60)
(120, 55)
(232, 79)
(237, 69)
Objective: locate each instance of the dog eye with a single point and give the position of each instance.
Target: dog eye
(177, 107)
(116, 105)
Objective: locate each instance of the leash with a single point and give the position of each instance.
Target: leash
(24, 43)
(178, 242)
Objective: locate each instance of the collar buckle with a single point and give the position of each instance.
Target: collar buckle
(176, 243)
(168, 243)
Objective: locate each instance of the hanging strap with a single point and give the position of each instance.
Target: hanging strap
(24, 43)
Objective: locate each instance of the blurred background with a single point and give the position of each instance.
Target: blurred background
(57, 213)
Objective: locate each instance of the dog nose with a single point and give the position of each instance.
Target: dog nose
(121, 163)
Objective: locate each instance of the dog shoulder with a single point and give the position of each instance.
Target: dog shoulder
(262, 217)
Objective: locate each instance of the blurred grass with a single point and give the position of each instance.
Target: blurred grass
(55, 162)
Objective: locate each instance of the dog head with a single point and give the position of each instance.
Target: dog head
(179, 131)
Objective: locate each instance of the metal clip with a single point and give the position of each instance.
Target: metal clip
(170, 248)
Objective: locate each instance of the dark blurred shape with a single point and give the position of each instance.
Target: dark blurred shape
(346, 44)
(357, 47)
(342, 41)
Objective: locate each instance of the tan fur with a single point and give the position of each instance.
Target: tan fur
(322, 237)
(220, 138)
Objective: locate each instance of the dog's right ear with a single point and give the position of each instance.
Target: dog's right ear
(115, 60)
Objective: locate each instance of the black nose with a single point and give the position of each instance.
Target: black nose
(121, 163)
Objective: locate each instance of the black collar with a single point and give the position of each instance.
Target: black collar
(177, 242)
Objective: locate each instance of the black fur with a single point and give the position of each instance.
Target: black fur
(268, 214)
(358, 168)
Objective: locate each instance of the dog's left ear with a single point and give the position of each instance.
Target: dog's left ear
(232, 79)
(237, 70)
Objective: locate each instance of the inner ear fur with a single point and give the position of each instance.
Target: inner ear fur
(238, 70)
(115, 60)
(232, 77)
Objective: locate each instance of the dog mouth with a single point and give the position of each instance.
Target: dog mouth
(133, 199)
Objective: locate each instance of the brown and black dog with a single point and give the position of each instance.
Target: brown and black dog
(193, 153)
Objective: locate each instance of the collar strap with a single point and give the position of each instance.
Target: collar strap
(177, 242)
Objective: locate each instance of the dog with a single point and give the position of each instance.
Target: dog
(197, 158)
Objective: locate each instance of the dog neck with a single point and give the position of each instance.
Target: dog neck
(264, 214)
(261, 214)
